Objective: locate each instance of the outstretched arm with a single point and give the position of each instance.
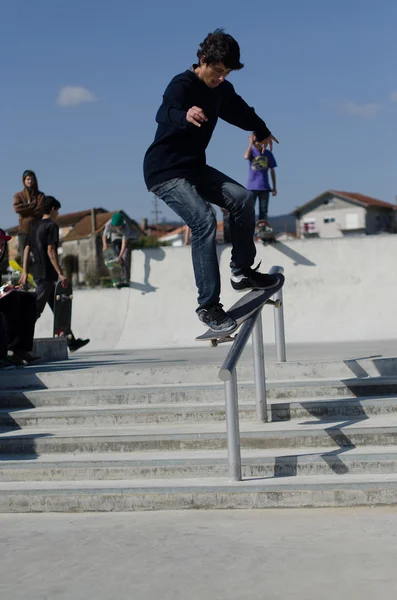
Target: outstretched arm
(236, 111)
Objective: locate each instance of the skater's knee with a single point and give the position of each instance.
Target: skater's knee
(206, 223)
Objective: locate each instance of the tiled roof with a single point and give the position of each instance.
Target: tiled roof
(73, 218)
(67, 220)
(84, 227)
(366, 201)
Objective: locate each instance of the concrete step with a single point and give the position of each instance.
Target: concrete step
(368, 431)
(206, 393)
(120, 414)
(194, 463)
(210, 493)
(67, 374)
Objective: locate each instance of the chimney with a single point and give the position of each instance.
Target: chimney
(144, 224)
(93, 220)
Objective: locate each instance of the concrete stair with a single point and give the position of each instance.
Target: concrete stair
(158, 441)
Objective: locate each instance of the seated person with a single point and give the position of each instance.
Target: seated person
(17, 320)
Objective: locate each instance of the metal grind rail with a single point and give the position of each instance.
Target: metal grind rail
(228, 374)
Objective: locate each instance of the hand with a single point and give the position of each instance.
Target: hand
(104, 247)
(64, 281)
(23, 279)
(274, 192)
(119, 259)
(269, 142)
(196, 116)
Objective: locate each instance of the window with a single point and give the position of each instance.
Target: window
(352, 221)
(329, 219)
(309, 226)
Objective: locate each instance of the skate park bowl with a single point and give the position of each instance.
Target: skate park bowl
(340, 289)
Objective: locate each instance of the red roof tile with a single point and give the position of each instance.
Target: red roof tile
(84, 227)
(367, 200)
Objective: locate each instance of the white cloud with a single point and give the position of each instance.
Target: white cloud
(361, 110)
(74, 95)
(393, 96)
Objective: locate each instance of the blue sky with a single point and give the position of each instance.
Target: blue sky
(321, 74)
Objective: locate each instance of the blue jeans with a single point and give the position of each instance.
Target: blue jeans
(192, 203)
(263, 201)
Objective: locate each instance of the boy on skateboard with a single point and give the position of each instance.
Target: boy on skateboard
(261, 161)
(43, 242)
(175, 170)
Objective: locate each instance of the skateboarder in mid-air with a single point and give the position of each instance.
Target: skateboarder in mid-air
(175, 170)
(42, 242)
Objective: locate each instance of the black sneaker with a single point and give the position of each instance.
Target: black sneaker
(77, 344)
(217, 319)
(251, 279)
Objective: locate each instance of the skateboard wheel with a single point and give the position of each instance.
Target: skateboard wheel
(71, 297)
(70, 337)
(278, 304)
(214, 343)
(57, 298)
(56, 335)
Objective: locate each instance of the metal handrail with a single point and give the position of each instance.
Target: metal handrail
(228, 374)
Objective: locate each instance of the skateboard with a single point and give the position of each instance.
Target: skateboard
(16, 267)
(264, 232)
(63, 310)
(113, 266)
(242, 310)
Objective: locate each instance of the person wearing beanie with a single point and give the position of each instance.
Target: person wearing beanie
(27, 206)
(118, 234)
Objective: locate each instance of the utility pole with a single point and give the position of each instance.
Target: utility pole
(156, 211)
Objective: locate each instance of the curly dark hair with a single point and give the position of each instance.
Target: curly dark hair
(220, 47)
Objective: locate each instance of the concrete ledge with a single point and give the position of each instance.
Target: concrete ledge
(51, 349)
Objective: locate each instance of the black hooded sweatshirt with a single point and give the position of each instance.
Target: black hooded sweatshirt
(179, 147)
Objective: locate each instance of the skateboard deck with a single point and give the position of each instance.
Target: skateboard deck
(62, 310)
(112, 265)
(242, 310)
(17, 268)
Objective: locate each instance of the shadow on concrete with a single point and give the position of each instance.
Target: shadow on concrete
(297, 258)
(92, 364)
(16, 446)
(325, 412)
(146, 287)
(357, 369)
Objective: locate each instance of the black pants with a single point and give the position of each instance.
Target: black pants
(18, 311)
(3, 338)
(45, 294)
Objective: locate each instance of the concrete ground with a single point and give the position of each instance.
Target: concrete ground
(235, 555)
(204, 354)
